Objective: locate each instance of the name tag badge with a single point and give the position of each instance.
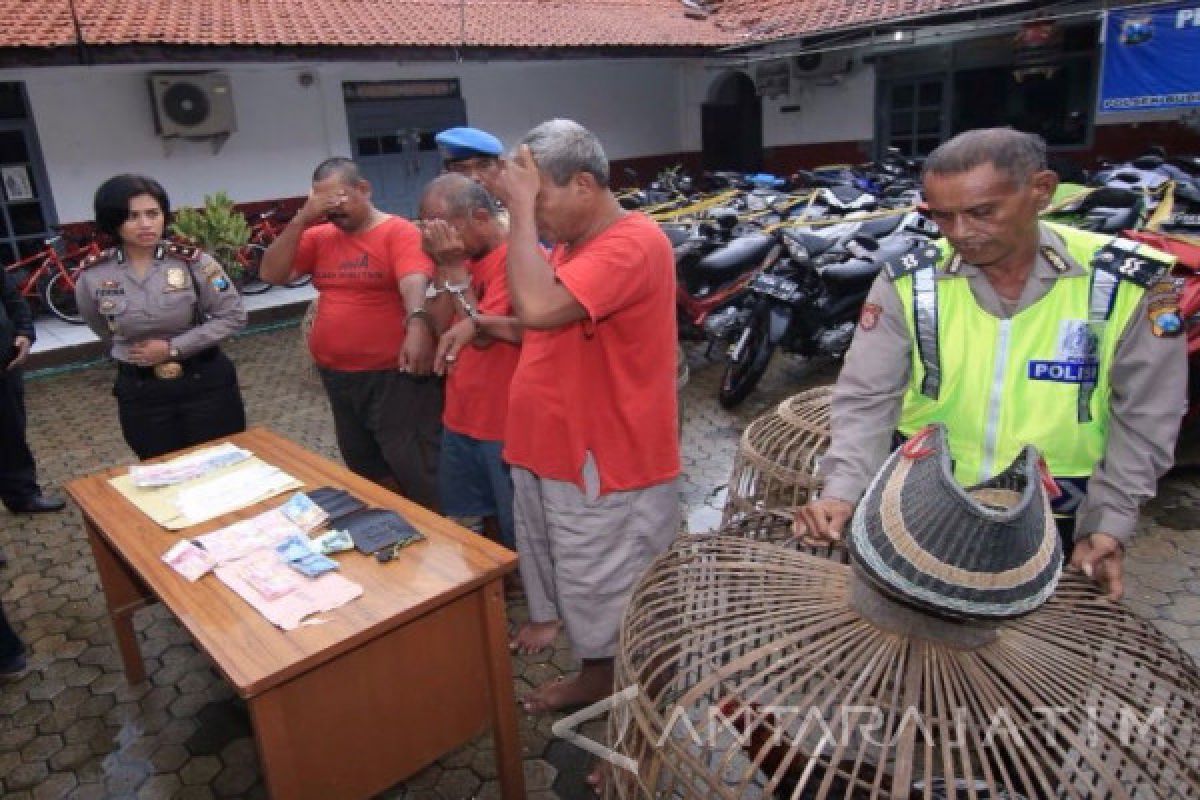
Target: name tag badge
(1064, 371)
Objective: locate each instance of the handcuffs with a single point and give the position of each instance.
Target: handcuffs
(459, 291)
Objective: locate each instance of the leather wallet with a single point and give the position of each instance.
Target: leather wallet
(337, 503)
(373, 529)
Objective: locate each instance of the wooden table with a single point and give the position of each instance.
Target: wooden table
(413, 669)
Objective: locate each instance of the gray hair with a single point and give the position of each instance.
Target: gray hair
(461, 195)
(345, 168)
(1015, 152)
(563, 147)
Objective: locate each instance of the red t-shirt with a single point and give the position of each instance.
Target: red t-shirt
(605, 384)
(360, 316)
(477, 387)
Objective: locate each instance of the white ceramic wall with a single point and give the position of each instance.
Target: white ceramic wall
(96, 122)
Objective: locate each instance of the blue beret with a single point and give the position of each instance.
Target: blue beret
(456, 143)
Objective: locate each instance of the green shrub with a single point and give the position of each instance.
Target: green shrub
(217, 228)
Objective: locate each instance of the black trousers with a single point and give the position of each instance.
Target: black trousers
(389, 425)
(18, 473)
(10, 643)
(160, 416)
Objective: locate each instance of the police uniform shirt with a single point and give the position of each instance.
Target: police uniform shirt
(123, 309)
(1148, 375)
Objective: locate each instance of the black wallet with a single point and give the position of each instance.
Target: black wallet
(337, 503)
(374, 529)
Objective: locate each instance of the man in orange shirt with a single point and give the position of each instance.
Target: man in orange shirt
(477, 351)
(372, 340)
(591, 433)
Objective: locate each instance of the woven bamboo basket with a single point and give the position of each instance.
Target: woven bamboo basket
(776, 464)
(765, 672)
(775, 526)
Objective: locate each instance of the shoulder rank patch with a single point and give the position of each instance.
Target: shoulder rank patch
(1122, 258)
(184, 252)
(1162, 307)
(1054, 259)
(107, 254)
(920, 254)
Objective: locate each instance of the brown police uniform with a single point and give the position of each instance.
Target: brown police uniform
(186, 299)
(1148, 376)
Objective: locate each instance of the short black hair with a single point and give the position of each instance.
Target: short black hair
(111, 203)
(345, 168)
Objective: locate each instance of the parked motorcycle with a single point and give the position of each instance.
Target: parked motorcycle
(715, 261)
(809, 302)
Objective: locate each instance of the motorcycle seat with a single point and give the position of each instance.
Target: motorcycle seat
(882, 226)
(739, 255)
(677, 234)
(851, 272)
(813, 244)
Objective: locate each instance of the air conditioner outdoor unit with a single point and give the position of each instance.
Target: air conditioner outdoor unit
(810, 66)
(192, 104)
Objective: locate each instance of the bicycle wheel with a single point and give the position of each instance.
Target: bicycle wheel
(250, 258)
(59, 298)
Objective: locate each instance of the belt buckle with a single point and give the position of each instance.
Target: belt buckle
(168, 370)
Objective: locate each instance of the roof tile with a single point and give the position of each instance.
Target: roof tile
(765, 20)
(420, 23)
(41, 24)
(443, 23)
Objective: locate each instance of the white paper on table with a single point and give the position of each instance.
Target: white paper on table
(233, 491)
(313, 596)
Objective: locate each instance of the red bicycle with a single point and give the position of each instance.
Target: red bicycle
(264, 230)
(48, 276)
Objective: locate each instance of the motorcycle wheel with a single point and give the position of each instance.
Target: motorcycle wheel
(744, 373)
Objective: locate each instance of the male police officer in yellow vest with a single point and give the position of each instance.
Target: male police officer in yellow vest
(1013, 331)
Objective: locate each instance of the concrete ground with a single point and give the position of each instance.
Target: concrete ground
(71, 727)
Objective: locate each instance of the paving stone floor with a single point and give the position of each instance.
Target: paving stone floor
(72, 727)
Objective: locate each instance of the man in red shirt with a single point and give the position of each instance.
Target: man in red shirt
(477, 351)
(591, 433)
(372, 340)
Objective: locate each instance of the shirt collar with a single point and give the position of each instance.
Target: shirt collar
(1054, 260)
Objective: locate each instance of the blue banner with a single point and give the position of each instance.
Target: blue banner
(1151, 58)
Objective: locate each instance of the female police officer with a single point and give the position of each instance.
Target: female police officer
(163, 308)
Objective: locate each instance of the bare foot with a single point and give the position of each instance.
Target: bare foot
(591, 684)
(534, 637)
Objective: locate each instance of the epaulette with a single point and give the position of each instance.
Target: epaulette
(920, 254)
(1132, 262)
(108, 254)
(184, 252)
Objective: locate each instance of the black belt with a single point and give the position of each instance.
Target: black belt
(189, 364)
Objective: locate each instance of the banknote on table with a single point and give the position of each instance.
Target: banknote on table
(185, 468)
(334, 541)
(188, 560)
(301, 510)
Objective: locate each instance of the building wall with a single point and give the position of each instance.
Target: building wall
(95, 122)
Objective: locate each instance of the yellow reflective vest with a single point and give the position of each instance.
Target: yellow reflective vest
(1040, 377)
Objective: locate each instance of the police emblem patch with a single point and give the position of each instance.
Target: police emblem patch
(1162, 307)
(175, 278)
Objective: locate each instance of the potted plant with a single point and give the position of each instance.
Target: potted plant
(217, 228)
